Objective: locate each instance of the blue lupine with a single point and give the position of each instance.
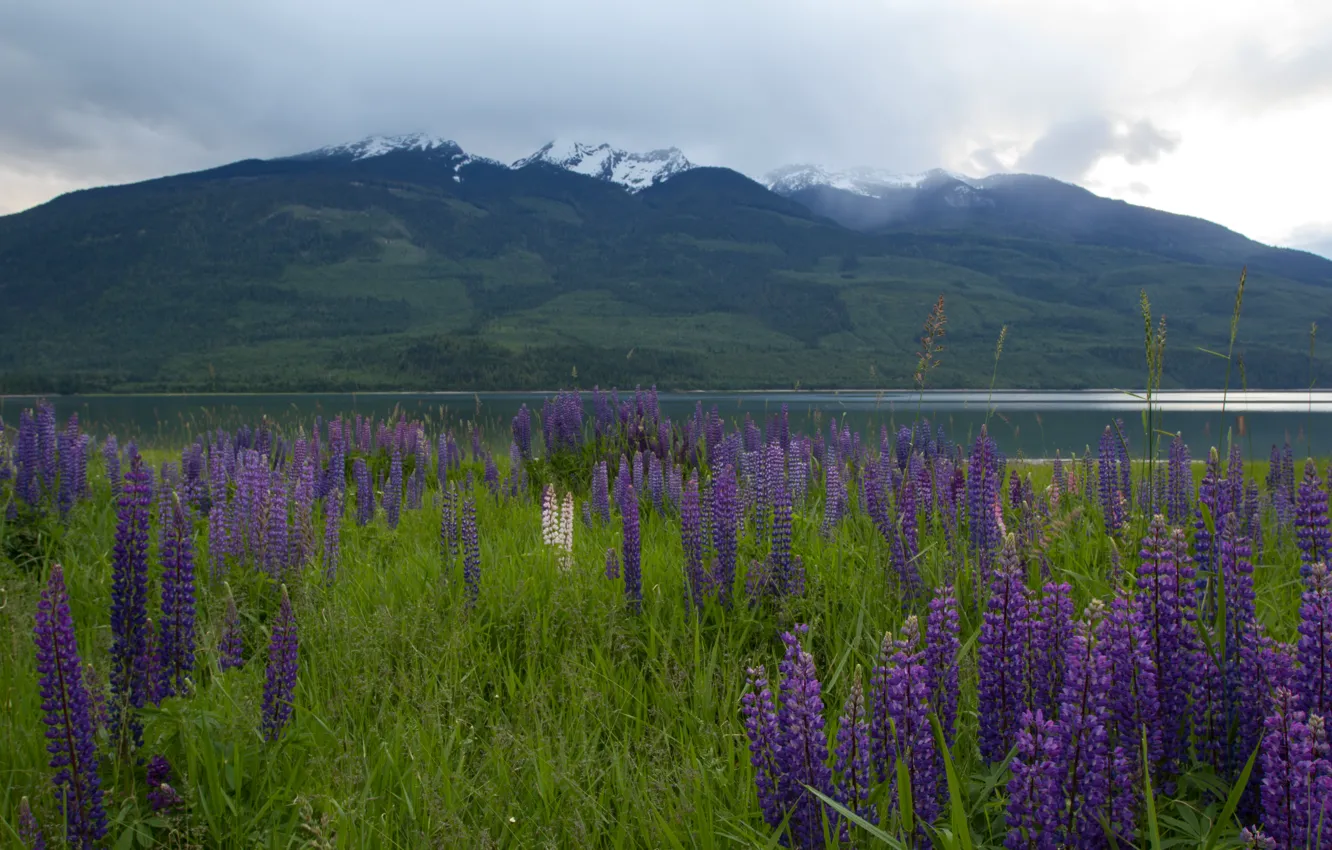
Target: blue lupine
(802, 750)
(633, 576)
(725, 526)
(942, 645)
(283, 666)
(691, 533)
(1003, 675)
(1314, 680)
(30, 833)
(231, 647)
(129, 602)
(854, 758)
(1035, 786)
(471, 544)
(1083, 739)
(393, 491)
(68, 716)
(1311, 522)
(176, 641)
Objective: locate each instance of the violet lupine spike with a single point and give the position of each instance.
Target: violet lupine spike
(1253, 520)
(691, 533)
(176, 641)
(854, 764)
(1035, 787)
(471, 544)
(656, 483)
(393, 490)
(760, 711)
(1265, 667)
(46, 446)
(301, 545)
(448, 521)
(275, 528)
(161, 795)
(231, 648)
(129, 602)
(1311, 521)
(780, 553)
(1133, 702)
(1165, 601)
(282, 670)
(1049, 651)
(68, 716)
(905, 691)
(1210, 726)
(600, 491)
(1314, 680)
(29, 832)
(942, 644)
(633, 576)
(612, 563)
(1083, 741)
(1287, 751)
(218, 540)
(522, 432)
(725, 528)
(150, 662)
(365, 492)
(982, 500)
(332, 534)
(802, 751)
(1003, 676)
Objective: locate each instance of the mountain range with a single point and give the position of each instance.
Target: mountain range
(405, 262)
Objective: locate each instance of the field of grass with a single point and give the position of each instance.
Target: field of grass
(553, 712)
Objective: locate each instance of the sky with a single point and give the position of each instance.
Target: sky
(1217, 109)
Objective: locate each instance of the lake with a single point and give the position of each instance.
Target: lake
(1030, 423)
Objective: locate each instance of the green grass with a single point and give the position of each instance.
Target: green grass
(547, 716)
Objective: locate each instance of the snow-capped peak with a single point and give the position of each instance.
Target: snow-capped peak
(372, 146)
(870, 182)
(634, 171)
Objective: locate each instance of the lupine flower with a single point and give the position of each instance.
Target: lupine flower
(802, 751)
(854, 759)
(725, 526)
(633, 577)
(600, 496)
(332, 533)
(1003, 677)
(1049, 646)
(68, 716)
(900, 728)
(1311, 524)
(1083, 741)
(982, 497)
(393, 492)
(834, 497)
(1035, 788)
(1210, 724)
(365, 493)
(232, 646)
(656, 482)
(942, 644)
(612, 563)
(1287, 751)
(176, 643)
(129, 602)
(274, 515)
(161, 795)
(522, 432)
(302, 543)
(111, 460)
(780, 554)
(1109, 476)
(1165, 600)
(1133, 703)
(30, 833)
(283, 665)
(448, 523)
(765, 742)
(1314, 680)
(471, 551)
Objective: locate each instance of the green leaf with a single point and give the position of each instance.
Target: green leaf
(957, 810)
(1232, 802)
(873, 830)
(1153, 828)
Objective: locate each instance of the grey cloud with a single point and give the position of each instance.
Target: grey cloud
(1315, 238)
(1069, 149)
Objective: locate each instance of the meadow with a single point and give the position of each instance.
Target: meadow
(631, 632)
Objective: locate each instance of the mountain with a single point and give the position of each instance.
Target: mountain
(410, 263)
(634, 171)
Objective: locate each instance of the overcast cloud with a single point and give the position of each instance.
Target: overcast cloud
(1216, 109)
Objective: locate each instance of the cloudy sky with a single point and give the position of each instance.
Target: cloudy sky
(1213, 108)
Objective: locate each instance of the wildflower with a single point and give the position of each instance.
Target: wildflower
(283, 664)
(633, 579)
(942, 644)
(30, 834)
(471, 551)
(854, 763)
(1003, 677)
(161, 795)
(802, 749)
(176, 643)
(1311, 523)
(130, 632)
(1035, 792)
(231, 647)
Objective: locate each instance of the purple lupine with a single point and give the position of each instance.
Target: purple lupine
(231, 647)
(612, 563)
(725, 527)
(1264, 667)
(522, 432)
(68, 444)
(902, 695)
(219, 540)
(622, 480)
(448, 521)
(471, 543)
(274, 515)
(283, 665)
(1210, 725)
(1311, 523)
(656, 482)
(765, 742)
(393, 490)
(365, 492)
(150, 662)
(1165, 599)
(176, 641)
(942, 645)
(332, 534)
(1113, 503)
(68, 716)
(29, 832)
(161, 795)
(1133, 702)
(1035, 787)
(983, 501)
(633, 576)
(111, 460)
(600, 494)
(1252, 516)
(691, 534)
(1083, 741)
(129, 601)
(834, 498)
(779, 556)
(301, 546)
(675, 486)
(802, 750)
(1003, 677)
(1314, 680)
(1287, 751)
(1050, 636)
(46, 447)
(854, 757)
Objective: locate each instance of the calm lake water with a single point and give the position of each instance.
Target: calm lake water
(1034, 424)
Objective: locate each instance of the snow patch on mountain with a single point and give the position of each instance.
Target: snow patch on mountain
(869, 182)
(634, 171)
(372, 146)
